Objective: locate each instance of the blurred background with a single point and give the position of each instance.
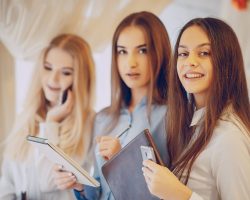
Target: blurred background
(26, 27)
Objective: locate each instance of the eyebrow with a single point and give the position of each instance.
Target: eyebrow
(200, 45)
(64, 67)
(138, 47)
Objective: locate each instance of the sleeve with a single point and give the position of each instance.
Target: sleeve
(7, 188)
(79, 195)
(90, 193)
(231, 166)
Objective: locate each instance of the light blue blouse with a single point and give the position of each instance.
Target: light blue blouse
(137, 121)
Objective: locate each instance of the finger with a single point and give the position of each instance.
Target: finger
(107, 138)
(106, 145)
(151, 165)
(67, 184)
(147, 179)
(57, 167)
(62, 174)
(105, 153)
(146, 171)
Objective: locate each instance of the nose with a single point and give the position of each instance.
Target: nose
(192, 60)
(132, 61)
(54, 79)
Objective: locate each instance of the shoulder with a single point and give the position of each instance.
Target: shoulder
(230, 142)
(230, 158)
(158, 111)
(230, 131)
(103, 114)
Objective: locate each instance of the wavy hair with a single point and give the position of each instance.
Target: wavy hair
(75, 129)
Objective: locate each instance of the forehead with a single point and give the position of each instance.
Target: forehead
(131, 36)
(59, 57)
(193, 36)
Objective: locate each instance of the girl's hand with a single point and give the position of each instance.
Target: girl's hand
(60, 112)
(163, 183)
(64, 179)
(108, 146)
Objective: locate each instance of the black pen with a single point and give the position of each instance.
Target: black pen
(119, 135)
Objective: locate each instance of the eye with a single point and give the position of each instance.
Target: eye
(47, 67)
(143, 50)
(67, 72)
(204, 53)
(182, 54)
(121, 51)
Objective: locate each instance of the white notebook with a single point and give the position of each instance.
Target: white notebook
(56, 155)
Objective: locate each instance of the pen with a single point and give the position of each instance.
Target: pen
(119, 135)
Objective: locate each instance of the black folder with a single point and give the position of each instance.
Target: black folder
(123, 172)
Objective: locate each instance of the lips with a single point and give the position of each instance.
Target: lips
(54, 89)
(193, 75)
(133, 74)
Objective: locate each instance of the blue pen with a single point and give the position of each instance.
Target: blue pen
(119, 135)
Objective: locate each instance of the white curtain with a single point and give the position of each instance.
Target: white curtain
(27, 25)
(7, 94)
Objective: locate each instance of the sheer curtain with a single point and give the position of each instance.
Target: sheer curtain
(27, 25)
(7, 94)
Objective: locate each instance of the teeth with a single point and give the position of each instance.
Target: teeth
(193, 75)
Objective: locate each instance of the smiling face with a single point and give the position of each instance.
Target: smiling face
(133, 60)
(57, 74)
(194, 65)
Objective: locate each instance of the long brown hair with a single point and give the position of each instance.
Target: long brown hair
(159, 51)
(228, 87)
(75, 129)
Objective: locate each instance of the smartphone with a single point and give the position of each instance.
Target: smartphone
(65, 95)
(147, 153)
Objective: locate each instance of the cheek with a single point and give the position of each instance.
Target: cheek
(44, 78)
(68, 82)
(179, 69)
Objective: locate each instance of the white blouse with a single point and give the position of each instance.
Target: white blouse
(222, 170)
(34, 175)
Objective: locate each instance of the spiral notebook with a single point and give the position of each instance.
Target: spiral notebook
(123, 172)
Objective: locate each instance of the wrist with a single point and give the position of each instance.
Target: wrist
(186, 193)
(79, 188)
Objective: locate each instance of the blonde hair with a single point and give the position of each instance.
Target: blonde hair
(75, 130)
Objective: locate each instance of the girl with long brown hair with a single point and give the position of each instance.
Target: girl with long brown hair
(140, 62)
(208, 118)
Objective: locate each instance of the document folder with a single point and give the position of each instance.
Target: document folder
(123, 172)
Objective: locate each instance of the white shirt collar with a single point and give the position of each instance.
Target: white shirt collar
(198, 114)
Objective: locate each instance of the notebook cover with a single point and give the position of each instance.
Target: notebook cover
(123, 172)
(56, 155)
